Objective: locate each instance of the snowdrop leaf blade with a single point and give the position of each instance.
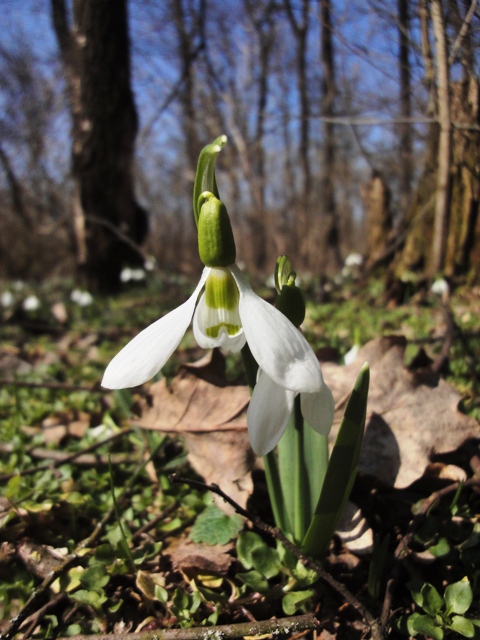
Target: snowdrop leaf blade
(146, 354)
(341, 471)
(278, 347)
(318, 409)
(268, 414)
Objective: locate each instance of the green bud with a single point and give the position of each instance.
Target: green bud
(291, 303)
(216, 244)
(205, 174)
(290, 300)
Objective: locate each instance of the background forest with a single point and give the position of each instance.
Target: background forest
(353, 126)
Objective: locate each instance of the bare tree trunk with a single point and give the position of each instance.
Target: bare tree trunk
(332, 234)
(406, 169)
(107, 219)
(444, 146)
(300, 30)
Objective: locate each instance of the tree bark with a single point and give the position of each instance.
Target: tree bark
(444, 145)
(405, 129)
(332, 233)
(96, 57)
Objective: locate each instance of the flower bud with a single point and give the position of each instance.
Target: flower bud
(291, 303)
(216, 244)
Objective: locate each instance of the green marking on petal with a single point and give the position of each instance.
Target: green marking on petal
(221, 291)
(232, 329)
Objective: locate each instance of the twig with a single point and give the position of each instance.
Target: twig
(220, 632)
(376, 629)
(11, 382)
(59, 457)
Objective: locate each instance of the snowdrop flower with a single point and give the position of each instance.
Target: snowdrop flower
(350, 356)
(226, 314)
(7, 299)
(31, 303)
(272, 403)
(82, 298)
(149, 264)
(354, 260)
(440, 287)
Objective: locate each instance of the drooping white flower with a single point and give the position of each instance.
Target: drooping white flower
(31, 303)
(271, 407)
(354, 260)
(228, 315)
(82, 298)
(7, 299)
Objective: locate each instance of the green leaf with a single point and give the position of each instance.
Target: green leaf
(341, 471)
(462, 626)
(293, 600)
(458, 596)
(248, 542)
(255, 580)
(266, 561)
(95, 577)
(432, 600)
(213, 526)
(442, 548)
(425, 624)
(91, 598)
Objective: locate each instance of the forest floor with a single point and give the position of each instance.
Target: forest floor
(98, 538)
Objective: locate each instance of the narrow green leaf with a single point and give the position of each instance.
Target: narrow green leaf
(376, 571)
(205, 175)
(341, 471)
(458, 596)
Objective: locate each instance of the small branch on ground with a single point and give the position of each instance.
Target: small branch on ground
(378, 632)
(275, 626)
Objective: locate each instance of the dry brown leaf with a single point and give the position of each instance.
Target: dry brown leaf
(410, 414)
(189, 556)
(199, 399)
(210, 413)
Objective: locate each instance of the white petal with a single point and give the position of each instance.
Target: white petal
(268, 414)
(278, 347)
(318, 409)
(200, 321)
(146, 354)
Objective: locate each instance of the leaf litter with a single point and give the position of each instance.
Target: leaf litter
(414, 424)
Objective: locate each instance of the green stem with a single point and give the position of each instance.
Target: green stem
(300, 476)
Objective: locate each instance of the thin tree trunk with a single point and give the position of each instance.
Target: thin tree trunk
(406, 169)
(332, 235)
(444, 146)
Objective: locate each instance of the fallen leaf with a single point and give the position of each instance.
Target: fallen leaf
(210, 413)
(188, 556)
(199, 399)
(411, 415)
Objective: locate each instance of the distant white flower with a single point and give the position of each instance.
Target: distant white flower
(440, 287)
(149, 264)
(7, 299)
(31, 303)
(19, 285)
(350, 356)
(271, 406)
(228, 314)
(354, 260)
(132, 275)
(82, 298)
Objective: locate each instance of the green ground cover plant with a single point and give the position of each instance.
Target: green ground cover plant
(86, 493)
